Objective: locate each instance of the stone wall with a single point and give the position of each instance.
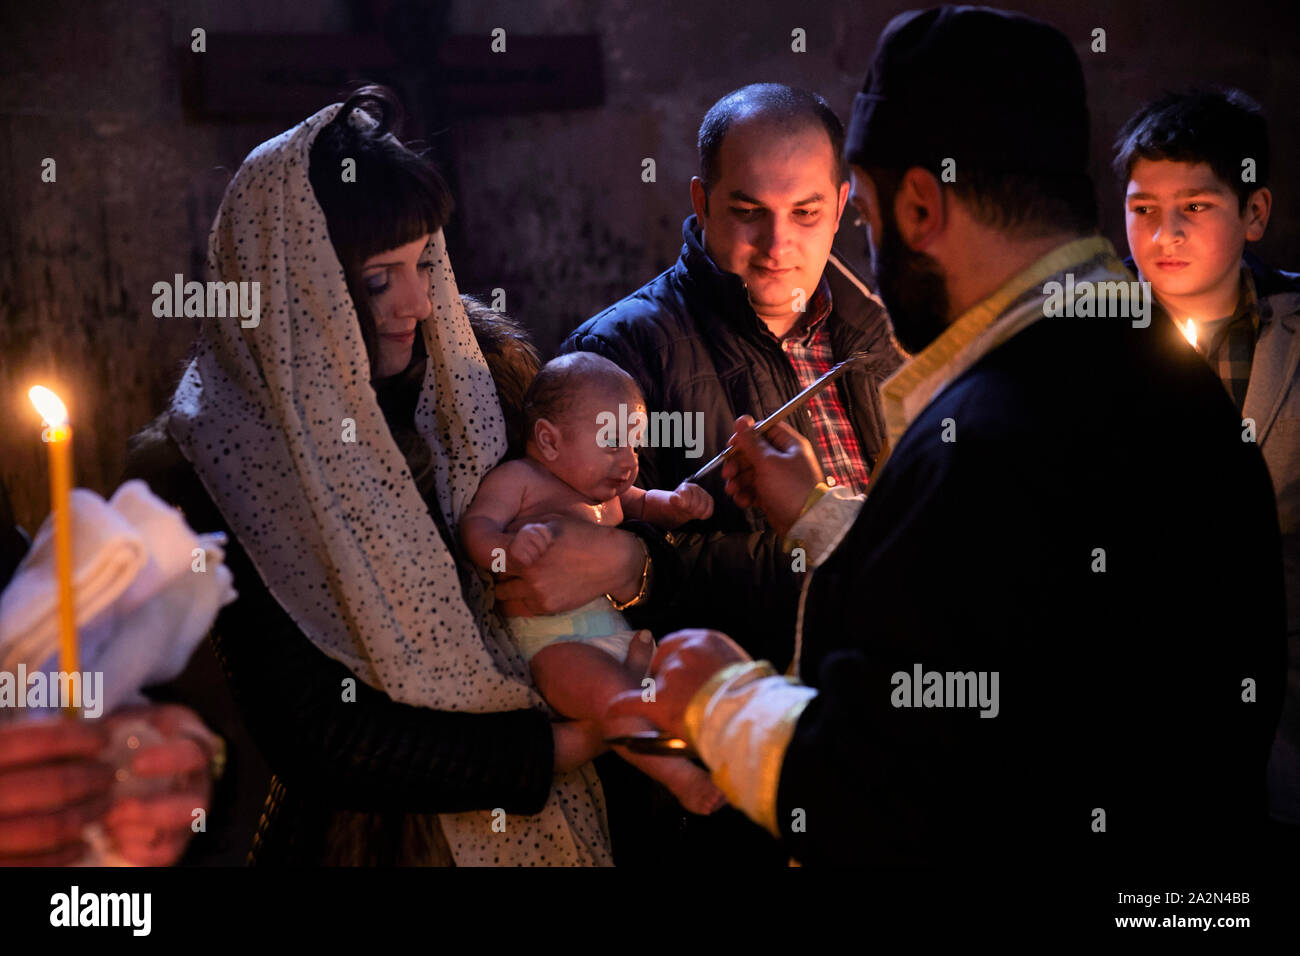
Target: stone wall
(551, 206)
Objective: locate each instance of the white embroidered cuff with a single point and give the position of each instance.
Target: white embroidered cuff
(824, 525)
(742, 735)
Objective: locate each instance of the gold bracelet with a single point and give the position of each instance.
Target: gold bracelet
(645, 581)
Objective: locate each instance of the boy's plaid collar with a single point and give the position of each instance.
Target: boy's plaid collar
(1247, 307)
(1247, 310)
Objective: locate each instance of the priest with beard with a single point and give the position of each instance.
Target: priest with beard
(1052, 632)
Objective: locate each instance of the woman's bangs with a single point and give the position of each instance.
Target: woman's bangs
(407, 207)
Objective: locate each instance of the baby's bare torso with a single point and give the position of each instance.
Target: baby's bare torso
(541, 494)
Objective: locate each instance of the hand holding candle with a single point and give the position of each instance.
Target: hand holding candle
(163, 778)
(52, 785)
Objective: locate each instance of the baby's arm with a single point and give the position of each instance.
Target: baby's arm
(498, 501)
(668, 509)
(633, 502)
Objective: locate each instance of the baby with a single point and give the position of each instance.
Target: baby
(571, 467)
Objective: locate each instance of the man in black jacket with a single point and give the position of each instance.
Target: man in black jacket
(755, 309)
(1053, 633)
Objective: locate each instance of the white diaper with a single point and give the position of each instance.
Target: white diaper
(595, 623)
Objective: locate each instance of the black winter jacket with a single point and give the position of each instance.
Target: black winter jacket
(694, 344)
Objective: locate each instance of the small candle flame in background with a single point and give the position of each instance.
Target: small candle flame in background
(1189, 333)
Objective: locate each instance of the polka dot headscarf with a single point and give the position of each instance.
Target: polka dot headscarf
(337, 529)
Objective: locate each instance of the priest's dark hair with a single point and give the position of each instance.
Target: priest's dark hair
(1217, 127)
(391, 196)
(788, 109)
(1023, 203)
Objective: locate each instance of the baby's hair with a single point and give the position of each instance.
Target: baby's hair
(562, 380)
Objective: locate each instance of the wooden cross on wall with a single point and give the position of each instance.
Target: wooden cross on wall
(242, 76)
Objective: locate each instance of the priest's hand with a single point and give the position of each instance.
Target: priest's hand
(774, 472)
(684, 661)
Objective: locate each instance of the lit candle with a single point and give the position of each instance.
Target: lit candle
(57, 436)
(1189, 332)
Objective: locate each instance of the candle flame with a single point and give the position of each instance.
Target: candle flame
(50, 406)
(1189, 332)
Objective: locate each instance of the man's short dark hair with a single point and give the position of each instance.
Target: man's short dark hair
(786, 107)
(1024, 204)
(1219, 127)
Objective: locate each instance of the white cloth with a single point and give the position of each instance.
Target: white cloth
(820, 530)
(338, 530)
(147, 589)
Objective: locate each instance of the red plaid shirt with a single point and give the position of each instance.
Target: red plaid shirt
(808, 347)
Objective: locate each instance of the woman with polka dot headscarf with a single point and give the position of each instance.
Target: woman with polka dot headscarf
(339, 438)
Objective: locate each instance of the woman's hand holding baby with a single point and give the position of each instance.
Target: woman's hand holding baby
(583, 562)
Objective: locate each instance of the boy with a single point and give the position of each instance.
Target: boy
(1197, 170)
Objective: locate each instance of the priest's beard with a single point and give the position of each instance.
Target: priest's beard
(912, 286)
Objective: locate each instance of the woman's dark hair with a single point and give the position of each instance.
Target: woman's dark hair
(513, 361)
(385, 197)
(1218, 127)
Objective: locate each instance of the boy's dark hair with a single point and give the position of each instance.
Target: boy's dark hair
(1218, 127)
(397, 195)
(788, 108)
(561, 380)
(1025, 204)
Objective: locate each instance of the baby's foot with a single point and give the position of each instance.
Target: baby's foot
(696, 792)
